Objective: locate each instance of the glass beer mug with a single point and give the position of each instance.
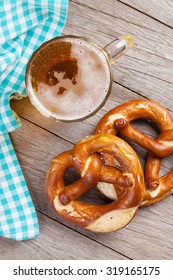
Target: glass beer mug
(69, 78)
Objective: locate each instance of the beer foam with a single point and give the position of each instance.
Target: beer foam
(79, 99)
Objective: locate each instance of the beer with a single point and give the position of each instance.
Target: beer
(70, 79)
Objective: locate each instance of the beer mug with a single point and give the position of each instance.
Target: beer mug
(69, 78)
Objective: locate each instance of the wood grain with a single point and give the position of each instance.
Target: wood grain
(159, 10)
(146, 71)
(148, 67)
(156, 217)
(56, 242)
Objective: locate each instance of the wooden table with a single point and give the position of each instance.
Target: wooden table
(146, 71)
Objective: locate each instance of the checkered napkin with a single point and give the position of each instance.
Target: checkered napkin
(24, 26)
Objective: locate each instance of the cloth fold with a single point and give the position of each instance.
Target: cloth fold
(18, 219)
(24, 26)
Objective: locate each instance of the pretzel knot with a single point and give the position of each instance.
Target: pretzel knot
(117, 121)
(158, 188)
(85, 159)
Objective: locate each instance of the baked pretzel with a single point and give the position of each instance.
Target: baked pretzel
(118, 121)
(119, 118)
(157, 188)
(85, 159)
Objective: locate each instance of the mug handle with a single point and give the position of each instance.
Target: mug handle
(118, 47)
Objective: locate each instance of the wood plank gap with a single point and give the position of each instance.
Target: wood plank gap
(139, 59)
(146, 74)
(100, 32)
(148, 52)
(143, 96)
(83, 234)
(130, 6)
(131, 90)
(143, 60)
(45, 129)
(104, 13)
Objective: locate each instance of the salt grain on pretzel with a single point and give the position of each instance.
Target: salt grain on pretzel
(85, 159)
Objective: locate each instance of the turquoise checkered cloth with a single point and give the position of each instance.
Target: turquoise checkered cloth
(24, 26)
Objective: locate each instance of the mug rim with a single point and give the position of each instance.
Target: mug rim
(46, 112)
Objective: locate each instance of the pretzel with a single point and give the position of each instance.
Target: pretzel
(85, 159)
(119, 118)
(118, 121)
(157, 188)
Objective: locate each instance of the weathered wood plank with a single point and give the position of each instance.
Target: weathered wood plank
(159, 13)
(148, 67)
(157, 217)
(56, 242)
(75, 131)
(146, 70)
(158, 9)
